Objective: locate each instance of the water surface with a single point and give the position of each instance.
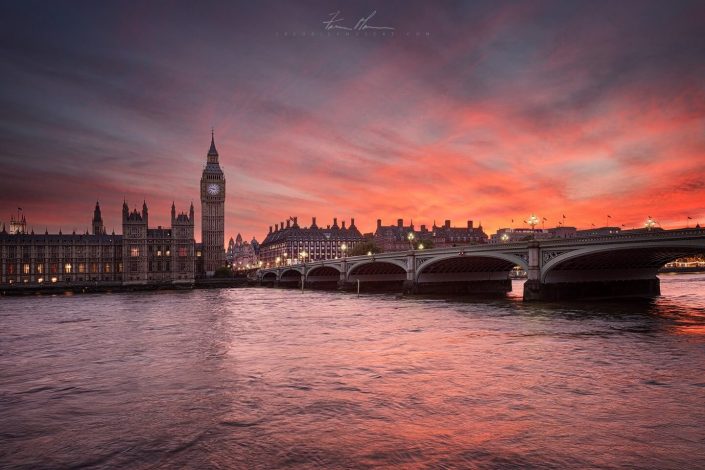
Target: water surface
(265, 378)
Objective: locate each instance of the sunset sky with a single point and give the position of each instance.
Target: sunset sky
(492, 112)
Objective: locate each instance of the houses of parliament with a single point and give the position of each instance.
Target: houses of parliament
(139, 256)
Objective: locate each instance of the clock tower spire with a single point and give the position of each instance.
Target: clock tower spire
(212, 212)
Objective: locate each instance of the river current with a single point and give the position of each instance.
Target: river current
(269, 378)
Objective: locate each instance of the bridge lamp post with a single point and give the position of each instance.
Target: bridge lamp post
(344, 249)
(421, 247)
(278, 260)
(410, 237)
(650, 224)
(504, 238)
(533, 221)
(369, 253)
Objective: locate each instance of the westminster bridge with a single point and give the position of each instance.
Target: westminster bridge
(622, 265)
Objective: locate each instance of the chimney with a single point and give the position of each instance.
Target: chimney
(288, 223)
(379, 223)
(276, 227)
(470, 224)
(270, 229)
(335, 221)
(343, 225)
(352, 222)
(282, 225)
(400, 223)
(313, 222)
(447, 223)
(296, 221)
(423, 228)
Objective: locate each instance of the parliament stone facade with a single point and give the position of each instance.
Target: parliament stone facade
(140, 256)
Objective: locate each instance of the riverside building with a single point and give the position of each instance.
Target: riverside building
(396, 237)
(290, 243)
(140, 256)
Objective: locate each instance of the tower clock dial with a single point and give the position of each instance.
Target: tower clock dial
(213, 189)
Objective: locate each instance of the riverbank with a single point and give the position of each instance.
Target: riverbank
(87, 288)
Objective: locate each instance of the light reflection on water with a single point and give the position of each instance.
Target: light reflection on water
(263, 378)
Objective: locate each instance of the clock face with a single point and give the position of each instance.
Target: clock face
(213, 189)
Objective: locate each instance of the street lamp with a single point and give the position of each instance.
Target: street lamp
(650, 223)
(369, 253)
(278, 260)
(420, 246)
(533, 221)
(343, 248)
(504, 238)
(410, 237)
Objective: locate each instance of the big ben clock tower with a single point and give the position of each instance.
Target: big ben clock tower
(212, 213)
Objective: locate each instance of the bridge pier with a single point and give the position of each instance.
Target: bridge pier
(630, 288)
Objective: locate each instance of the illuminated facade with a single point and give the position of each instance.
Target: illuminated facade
(140, 256)
(292, 243)
(396, 237)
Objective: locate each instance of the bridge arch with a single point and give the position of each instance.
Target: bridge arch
(616, 261)
(382, 264)
(479, 262)
(290, 274)
(325, 270)
(323, 277)
(378, 275)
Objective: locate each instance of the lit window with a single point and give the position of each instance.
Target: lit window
(25, 268)
(81, 267)
(40, 268)
(67, 268)
(134, 251)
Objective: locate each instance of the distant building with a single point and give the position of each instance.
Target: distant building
(140, 256)
(292, 243)
(212, 214)
(158, 254)
(242, 255)
(505, 235)
(598, 232)
(396, 237)
(18, 225)
(445, 235)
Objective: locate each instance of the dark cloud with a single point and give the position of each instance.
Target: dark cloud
(500, 101)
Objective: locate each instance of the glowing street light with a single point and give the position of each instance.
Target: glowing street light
(421, 246)
(650, 223)
(278, 260)
(533, 221)
(369, 253)
(504, 238)
(410, 237)
(343, 248)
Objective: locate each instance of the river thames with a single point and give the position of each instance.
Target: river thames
(267, 378)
